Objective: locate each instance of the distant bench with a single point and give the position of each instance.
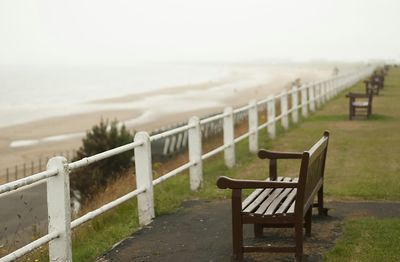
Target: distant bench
(371, 87)
(360, 107)
(279, 201)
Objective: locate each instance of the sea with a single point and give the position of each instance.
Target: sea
(29, 93)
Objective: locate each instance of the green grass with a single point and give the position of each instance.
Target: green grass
(363, 163)
(368, 240)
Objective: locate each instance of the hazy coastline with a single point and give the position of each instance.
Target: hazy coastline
(148, 110)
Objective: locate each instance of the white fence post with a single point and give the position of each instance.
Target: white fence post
(271, 116)
(284, 110)
(144, 178)
(59, 210)
(323, 92)
(229, 136)
(304, 111)
(253, 126)
(318, 94)
(311, 97)
(195, 152)
(295, 104)
(329, 92)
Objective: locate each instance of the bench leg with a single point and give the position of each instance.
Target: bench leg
(258, 230)
(308, 221)
(237, 226)
(237, 238)
(321, 209)
(298, 228)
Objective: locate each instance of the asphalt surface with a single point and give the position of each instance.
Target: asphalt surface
(23, 213)
(201, 231)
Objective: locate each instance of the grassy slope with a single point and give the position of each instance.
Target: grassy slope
(361, 153)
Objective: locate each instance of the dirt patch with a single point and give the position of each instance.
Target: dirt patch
(201, 231)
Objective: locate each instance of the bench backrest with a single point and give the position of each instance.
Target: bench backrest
(311, 174)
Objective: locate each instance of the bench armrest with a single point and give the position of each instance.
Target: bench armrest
(224, 182)
(263, 154)
(357, 95)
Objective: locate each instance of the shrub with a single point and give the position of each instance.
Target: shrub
(100, 138)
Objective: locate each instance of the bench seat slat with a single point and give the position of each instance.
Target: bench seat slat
(252, 196)
(268, 200)
(291, 208)
(360, 104)
(288, 202)
(259, 199)
(277, 201)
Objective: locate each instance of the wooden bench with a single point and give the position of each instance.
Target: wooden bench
(279, 201)
(357, 106)
(371, 87)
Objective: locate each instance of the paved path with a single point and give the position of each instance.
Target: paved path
(23, 213)
(201, 231)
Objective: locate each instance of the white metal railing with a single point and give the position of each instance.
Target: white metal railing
(312, 96)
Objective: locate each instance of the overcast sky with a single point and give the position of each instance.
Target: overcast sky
(124, 32)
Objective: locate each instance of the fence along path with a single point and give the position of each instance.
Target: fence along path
(312, 96)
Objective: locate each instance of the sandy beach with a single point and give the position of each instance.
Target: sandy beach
(145, 111)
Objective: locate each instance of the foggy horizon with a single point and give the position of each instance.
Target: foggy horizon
(131, 32)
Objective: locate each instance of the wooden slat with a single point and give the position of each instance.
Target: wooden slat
(251, 197)
(291, 208)
(288, 201)
(277, 201)
(274, 194)
(259, 199)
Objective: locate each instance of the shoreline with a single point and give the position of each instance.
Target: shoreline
(146, 111)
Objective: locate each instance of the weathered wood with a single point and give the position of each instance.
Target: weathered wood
(279, 201)
(359, 107)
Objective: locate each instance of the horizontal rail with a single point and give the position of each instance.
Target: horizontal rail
(212, 118)
(278, 96)
(29, 247)
(264, 125)
(242, 137)
(172, 173)
(171, 132)
(280, 117)
(27, 181)
(106, 207)
(264, 101)
(214, 152)
(106, 154)
(242, 109)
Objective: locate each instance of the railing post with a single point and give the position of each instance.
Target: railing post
(253, 126)
(59, 212)
(195, 152)
(329, 92)
(318, 94)
(284, 110)
(311, 97)
(323, 92)
(144, 178)
(336, 86)
(304, 111)
(271, 117)
(229, 136)
(295, 104)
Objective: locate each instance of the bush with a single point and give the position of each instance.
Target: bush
(100, 138)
